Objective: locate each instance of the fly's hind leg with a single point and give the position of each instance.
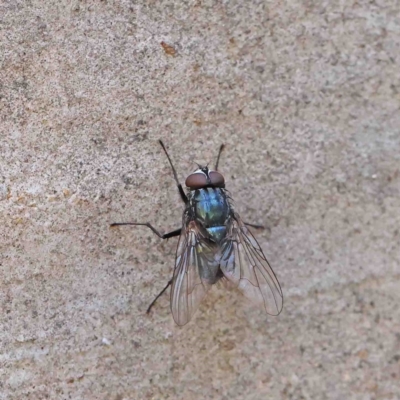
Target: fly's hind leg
(168, 235)
(255, 226)
(158, 296)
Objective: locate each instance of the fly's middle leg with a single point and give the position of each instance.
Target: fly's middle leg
(168, 235)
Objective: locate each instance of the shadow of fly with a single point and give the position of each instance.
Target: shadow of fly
(214, 245)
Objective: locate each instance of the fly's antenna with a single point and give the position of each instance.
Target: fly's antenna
(219, 155)
(181, 192)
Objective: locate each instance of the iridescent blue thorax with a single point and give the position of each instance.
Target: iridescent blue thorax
(210, 207)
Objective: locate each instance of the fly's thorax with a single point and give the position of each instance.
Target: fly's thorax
(210, 206)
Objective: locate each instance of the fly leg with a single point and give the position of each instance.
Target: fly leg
(219, 155)
(168, 235)
(158, 296)
(255, 226)
(181, 192)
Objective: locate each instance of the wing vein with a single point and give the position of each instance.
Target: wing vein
(244, 264)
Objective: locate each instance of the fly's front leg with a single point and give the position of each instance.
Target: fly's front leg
(168, 235)
(181, 191)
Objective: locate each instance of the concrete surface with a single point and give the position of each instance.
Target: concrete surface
(306, 96)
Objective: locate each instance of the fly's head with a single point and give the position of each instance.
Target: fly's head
(204, 177)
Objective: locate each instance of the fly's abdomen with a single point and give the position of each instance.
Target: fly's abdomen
(211, 208)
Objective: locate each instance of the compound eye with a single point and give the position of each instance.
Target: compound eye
(216, 179)
(196, 181)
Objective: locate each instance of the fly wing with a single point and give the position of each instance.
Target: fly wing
(244, 265)
(195, 271)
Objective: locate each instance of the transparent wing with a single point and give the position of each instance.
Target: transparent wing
(244, 265)
(195, 272)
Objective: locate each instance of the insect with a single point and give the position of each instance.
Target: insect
(214, 244)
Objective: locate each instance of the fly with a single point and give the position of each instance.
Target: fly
(214, 244)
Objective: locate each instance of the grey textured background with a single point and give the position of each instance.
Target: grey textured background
(306, 96)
